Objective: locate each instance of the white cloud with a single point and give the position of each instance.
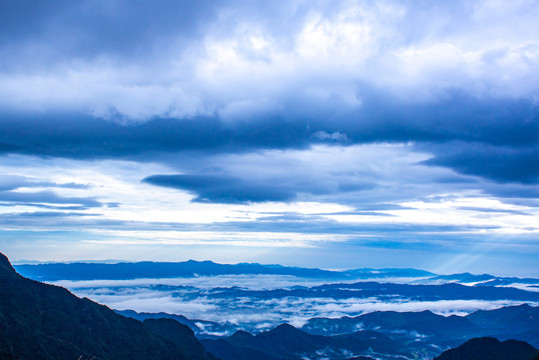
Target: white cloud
(245, 65)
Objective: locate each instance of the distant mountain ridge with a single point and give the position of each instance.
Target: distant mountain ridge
(479, 280)
(191, 268)
(45, 322)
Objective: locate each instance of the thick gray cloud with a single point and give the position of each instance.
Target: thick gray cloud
(495, 139)
(224, 189)
(502, 164)
(85, 30)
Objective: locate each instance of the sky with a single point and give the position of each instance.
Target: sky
(331, 134)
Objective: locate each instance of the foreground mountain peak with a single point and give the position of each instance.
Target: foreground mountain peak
(41, 321)
(489, 348)
(285, 327)
(5, 265)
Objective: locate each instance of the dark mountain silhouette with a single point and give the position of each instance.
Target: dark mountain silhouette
(465, 277)
(179, 334)
(488, 348)
(46, 322)
(525, 317)
(422, 322)
(161, 315)
(424, 332)
(451, 291)
(511, 322)
(209, 328)
(287, 342)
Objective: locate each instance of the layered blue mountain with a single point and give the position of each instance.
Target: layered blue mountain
(191, 268)
(488, 348)
(238, 303)
(422, 334)
(287, 342)
(46, 322)
(381, 291)
(201, 328)
(412, 328)
(451, 291)
(523, 317)
(482, 279)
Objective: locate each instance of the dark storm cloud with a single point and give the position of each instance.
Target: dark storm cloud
(223, 189)
(231, 189)
(83, 137)
(480, 137)
(456, 116)
(501, 164)
(515, 193)
(85, 29)
(511, 124)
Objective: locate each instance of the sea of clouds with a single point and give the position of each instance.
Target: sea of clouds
(256, 302)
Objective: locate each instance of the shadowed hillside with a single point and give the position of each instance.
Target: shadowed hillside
(287, 342)
(488, 348)
(45, 322)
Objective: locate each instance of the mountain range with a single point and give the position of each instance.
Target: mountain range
(423, 334)
(287, 342)
(191, 268)
(426, 332)
(42, 321)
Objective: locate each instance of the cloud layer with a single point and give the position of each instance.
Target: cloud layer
(261, 302)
